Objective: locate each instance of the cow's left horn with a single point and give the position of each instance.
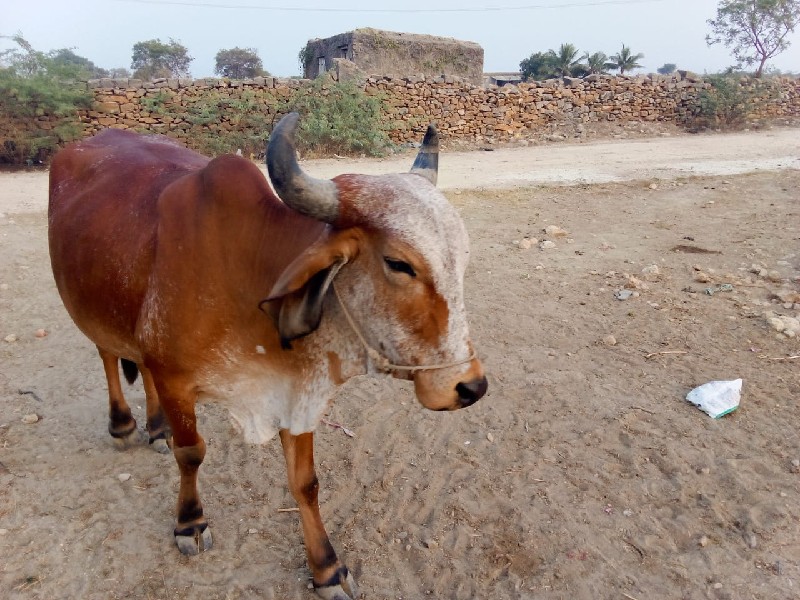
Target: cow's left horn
(427, 161)
(316, 198)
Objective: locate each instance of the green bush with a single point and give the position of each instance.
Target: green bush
(34, 84)
(339, 118)
(729, 101)
(336, 118)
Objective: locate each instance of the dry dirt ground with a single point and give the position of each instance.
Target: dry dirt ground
(583, 474)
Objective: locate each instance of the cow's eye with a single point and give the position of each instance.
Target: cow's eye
(399, 266)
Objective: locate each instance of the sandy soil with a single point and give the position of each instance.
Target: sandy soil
(583, 474)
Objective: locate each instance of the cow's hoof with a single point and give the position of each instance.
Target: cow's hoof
(161, 445)
(134, 438)
(194, 540)
(342, 586)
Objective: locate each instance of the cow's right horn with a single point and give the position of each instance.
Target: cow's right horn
(316, 198)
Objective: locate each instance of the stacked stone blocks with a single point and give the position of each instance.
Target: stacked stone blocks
(462, 111)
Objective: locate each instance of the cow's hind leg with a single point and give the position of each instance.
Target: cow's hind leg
(157, 426)
(121, 424)
(332, 580)
(192, 533)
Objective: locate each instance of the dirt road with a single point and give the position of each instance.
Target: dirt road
(604, 161)
(583, 474)
(555, 164)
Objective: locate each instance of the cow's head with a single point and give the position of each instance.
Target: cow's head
(398, 251)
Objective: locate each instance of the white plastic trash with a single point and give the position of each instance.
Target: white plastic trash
(717, 398)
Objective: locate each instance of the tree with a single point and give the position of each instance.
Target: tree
(754, 30)
(625, 60)
(536, 67)
(597, 63)
(23, 61)
(566, 61)
(562, 63)
(667, 69)
(57, 70)
(119, 73)
(239, 63)
(153, 58)
(65, 56)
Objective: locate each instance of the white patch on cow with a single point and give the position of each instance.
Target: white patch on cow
(260, 350)
(256, 402)
(411, 208)
(149, 323)
(262, 400)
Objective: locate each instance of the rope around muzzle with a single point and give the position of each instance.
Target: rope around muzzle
(379, 359)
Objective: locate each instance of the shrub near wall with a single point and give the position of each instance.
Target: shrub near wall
(205, 112)
(215, 116)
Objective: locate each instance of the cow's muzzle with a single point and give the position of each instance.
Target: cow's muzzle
(471, 391)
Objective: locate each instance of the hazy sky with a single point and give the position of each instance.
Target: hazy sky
(509, 30)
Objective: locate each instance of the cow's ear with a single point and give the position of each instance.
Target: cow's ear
(296, 299)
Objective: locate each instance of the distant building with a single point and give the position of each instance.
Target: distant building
(377, 52)
(501, 79)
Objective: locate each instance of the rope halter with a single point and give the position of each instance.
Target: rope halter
(380, 361)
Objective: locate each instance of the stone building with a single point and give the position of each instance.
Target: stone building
(376, 52)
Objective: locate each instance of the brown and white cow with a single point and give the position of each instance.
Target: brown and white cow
(194, 273)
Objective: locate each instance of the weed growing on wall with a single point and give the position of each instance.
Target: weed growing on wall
(216, 123)
(304, 57)
(157, 103)
(339, 118)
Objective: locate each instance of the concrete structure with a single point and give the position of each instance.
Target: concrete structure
(388, 53)
(501, 79)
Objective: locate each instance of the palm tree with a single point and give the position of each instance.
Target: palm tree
(565, 62)
(625, 60)
(597, 62)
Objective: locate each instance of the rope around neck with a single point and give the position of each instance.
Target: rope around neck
(381, 361)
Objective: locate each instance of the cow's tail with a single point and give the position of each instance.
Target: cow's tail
(129, 369)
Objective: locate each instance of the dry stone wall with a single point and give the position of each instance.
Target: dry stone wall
(518, 112)
(461, 110)
(175, 106)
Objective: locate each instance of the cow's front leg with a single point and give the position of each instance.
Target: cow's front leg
(192, 533)
(332, 580)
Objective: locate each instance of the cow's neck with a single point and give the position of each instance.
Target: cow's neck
(335, 340)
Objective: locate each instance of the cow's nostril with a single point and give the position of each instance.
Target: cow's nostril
(469, 393)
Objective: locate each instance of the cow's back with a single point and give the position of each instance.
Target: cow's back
(146, 235)
(103, 216)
